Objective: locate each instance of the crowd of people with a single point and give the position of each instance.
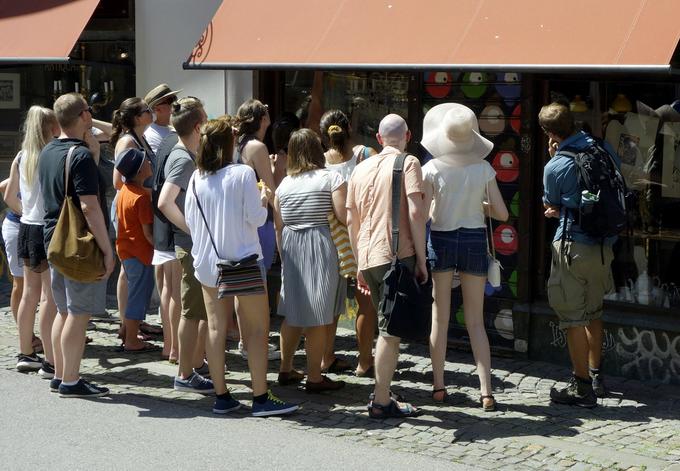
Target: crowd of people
(202, 210)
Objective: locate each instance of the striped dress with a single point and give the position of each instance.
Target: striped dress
(312, 290)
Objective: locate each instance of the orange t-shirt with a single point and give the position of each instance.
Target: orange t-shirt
(133, 209)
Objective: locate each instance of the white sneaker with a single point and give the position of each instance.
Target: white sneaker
(272, 354)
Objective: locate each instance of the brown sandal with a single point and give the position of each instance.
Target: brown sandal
(444, 395)
(488, 408)
(290, 377)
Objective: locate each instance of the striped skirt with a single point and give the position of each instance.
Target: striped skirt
(312, 291)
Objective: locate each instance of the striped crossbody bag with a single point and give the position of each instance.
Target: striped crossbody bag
(235, 278)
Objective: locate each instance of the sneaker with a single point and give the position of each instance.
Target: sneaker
(224, 406)
(47, 370)
(599, 387)
(577, 392)
(194, 383)
(54, 385)
(29, 362)
(272, 352)
(273, 406)
(82, 389)
(203, 370)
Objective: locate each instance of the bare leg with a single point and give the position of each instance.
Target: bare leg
(175, 306)
(73, 345)
(386, 356)
(188, 333)
(132, 342)
(164, 296)
(27, 307)
(201, 343)
(594, 332)
(315, 348)
(122, 295)
(48, 311)
(329, 349)
(577, 341)
(15, 297)
(290, 339)
(253, 317)
(441, 311)
(473, 306)
(57, 328)
(366, 324)
(217, 310)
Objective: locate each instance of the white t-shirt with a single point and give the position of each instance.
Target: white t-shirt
(32, 204)
(306, 199)
(231, 203)
(154, 134)
(457, 194)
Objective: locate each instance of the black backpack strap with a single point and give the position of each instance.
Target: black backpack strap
(397, 170)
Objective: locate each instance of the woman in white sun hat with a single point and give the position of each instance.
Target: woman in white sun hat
(457, 180)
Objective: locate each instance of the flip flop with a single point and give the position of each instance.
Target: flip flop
(149, 329)
(145, 349)
(369, 373)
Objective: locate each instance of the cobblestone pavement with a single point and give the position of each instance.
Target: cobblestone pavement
(637, 428)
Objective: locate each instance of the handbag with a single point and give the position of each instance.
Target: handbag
(494, 272)
(73, 250)
(235, 278)
(406, 305)
(347, 264)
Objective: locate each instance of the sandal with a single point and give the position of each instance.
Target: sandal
(149, 329)
(392, 410)
(444, 395)
(290, 377)
(326, 384)
(488, 408)
(37, 345)
(394, 396)
(338, 366)
(369, 373)
(148, 347)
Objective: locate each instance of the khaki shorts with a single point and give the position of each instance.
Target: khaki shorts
(576, 289)
(193, 306)
(374, 279)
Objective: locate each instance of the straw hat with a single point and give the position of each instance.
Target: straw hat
(159, 93)
(451, 134)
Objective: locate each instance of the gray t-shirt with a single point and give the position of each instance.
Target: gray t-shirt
(178, 170)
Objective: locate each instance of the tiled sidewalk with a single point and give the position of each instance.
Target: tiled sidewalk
(638, 427)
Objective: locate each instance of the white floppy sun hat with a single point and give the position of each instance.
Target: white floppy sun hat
(451, 133)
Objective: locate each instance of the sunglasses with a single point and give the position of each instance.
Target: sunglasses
(145, 110)
(88, 109)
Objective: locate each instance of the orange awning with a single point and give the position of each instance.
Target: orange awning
(41, 31)
(434, 34)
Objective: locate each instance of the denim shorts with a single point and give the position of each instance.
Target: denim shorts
(464, 250)
(140, 282)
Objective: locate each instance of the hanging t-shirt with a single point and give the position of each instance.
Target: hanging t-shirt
(155, 134)
(457, 194)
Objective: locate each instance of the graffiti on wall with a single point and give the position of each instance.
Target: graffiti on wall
(648, 355)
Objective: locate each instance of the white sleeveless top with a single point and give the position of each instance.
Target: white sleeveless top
(345, 169)
(32, 204)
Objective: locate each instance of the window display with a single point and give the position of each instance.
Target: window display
(641, 121)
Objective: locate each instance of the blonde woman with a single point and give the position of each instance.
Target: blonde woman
(39, 128)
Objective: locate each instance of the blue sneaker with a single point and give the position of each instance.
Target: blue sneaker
(54, 384)
(194, 383)
(82, 389)
(273, 406)
(224, 406)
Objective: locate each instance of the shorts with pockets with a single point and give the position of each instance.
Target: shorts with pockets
(77, 298)
(193, 306)
(578, 282)
(464, 250)
(140, 282)
(10, 235)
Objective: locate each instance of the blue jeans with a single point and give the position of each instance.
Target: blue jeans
(464, 250)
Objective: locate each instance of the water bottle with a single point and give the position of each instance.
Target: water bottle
(588, 200)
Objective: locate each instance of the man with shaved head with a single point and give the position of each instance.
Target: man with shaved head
(369, 217)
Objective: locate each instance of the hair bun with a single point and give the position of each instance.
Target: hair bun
(334, 129)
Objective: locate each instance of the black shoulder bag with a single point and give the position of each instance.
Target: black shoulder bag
(406, 306)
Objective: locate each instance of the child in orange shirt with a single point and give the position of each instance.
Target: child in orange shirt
(135, 243)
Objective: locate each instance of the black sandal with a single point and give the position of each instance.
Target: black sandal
(392, 410)
(492, 407)
(445, 396)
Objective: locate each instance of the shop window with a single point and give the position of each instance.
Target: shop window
(366, 97)
(641, 121)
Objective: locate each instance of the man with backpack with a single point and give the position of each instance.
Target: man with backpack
(584, 189)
